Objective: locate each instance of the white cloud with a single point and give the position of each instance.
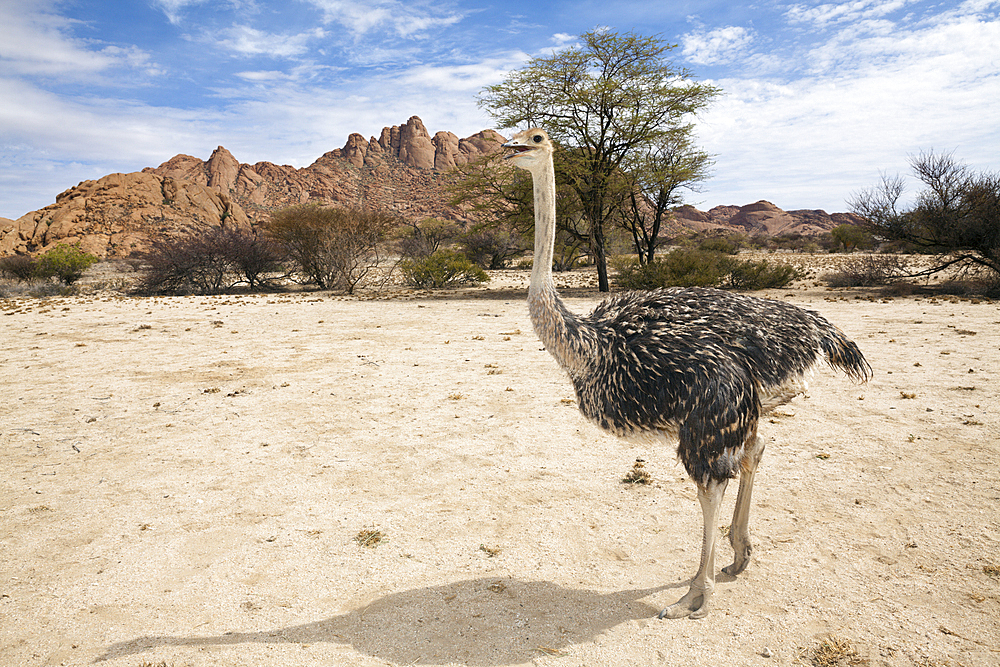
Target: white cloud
(825, 15)
(34, 41)
(717, 46)
(869, 99)
(246, 41)
(405, 19)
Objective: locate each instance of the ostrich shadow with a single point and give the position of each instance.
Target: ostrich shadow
(487, 621)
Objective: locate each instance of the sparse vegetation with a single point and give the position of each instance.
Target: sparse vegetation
(64, 262)
(369, 538)
(869, 270)
(492, 246)
(638, 474)
(442, 268)
(956, 216)
(833, 652)
(333, 248)
(18, 267)
(489, 551)
(701, 268)
(417, 240)
(207, 261)
(852, 237)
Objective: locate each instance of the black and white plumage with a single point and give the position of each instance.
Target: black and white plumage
(697, 365)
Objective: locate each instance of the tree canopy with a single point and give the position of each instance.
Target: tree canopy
(604, 100)
(956, 215)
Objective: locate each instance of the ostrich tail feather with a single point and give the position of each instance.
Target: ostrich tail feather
(844, 354)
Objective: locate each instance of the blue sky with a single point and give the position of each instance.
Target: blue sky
(820, 97)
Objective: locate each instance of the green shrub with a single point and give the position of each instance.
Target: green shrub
(679, 268)
(685, 267)
(65, 262)
(442, 268)
(727, 245)
(761, 274)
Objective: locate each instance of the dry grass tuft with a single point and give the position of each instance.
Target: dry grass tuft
(833, 652)
(489, 551)
(638, 474)
(369, 537)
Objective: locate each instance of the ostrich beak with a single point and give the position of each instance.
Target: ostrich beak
(516, 149)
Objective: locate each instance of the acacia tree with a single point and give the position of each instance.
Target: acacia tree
(956, 215)
(499, 198)
(605, 99)
(653, 181)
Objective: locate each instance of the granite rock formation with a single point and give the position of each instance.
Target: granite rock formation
(404, 170)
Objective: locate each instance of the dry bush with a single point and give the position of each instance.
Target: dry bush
(417, 240)
(208, 261)
(869, 271)
(334, 248)
(833, 652)
(18, 267)
(369, 537)
(492, 247)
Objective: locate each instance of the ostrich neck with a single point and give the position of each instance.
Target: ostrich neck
(558, 328)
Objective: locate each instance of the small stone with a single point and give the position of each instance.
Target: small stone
(766, 652)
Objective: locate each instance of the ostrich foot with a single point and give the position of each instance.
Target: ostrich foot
(694, 604)
(741, 558)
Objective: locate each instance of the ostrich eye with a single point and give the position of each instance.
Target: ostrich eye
(538, 138)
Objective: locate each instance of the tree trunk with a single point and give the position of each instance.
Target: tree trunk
(600, 259)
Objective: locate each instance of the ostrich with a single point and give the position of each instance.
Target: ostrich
(699, 366)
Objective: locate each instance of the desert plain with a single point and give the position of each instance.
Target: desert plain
(403, 478)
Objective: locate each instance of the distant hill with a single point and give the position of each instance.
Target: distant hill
(762, 219)
(404, 170)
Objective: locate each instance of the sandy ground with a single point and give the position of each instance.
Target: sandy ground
(182, 482)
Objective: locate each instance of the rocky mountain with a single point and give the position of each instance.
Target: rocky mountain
(761, 219)
(404, 170)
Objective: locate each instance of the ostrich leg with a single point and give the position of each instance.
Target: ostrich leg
(739, 530)
(695, 602)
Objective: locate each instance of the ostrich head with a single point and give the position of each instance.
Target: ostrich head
(531, 149)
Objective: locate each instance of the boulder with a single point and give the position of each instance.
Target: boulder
(223, 170)
(415, 146)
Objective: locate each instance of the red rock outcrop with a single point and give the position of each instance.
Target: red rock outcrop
(761, 218)
(120, 214)
(405, 170)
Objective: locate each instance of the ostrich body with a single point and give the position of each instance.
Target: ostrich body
(699, 366)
